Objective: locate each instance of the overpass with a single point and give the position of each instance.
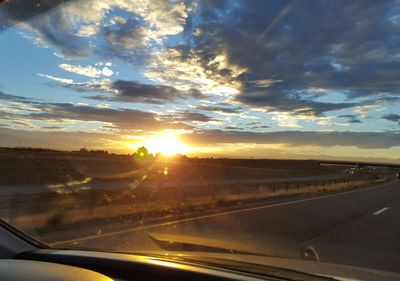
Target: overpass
(358, 164)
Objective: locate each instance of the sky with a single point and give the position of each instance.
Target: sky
(223, 78)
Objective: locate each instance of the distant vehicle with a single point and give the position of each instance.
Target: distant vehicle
(351, 171)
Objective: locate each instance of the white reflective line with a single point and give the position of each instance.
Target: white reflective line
(381, 211)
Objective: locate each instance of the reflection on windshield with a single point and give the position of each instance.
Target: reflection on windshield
(262, 128)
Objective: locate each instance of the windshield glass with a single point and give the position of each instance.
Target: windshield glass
(237, 127)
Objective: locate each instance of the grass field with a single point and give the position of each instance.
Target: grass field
(23, 167)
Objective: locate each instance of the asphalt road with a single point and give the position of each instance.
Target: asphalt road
(358, 227)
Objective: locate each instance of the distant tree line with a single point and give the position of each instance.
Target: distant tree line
(98, 151)
(28, 148)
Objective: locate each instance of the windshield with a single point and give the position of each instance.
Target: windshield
(265, 128)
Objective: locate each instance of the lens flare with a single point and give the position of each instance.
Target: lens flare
(166, 143)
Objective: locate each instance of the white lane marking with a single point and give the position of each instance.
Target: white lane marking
(139, 228)
(381, 211)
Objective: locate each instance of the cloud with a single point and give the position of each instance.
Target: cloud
(87, 30)
(261, 127)
(218, 109)
(121, 119)
(129, 34)
(52, 127)
(69, 28)
(184, 68)
(127, 119)
(134, 91)
(286, 120)
(233, 128)
(7, 97)
(364, 109)
(88, 71)
(57, 79)
(23, 124)
(300, 47)
(106, 71)
(295, 104)
(53, 29)
(59, 140)
(351, 118)
(295, 60)
(128, 91)
(188, 116)
(391, 117)
(365, 140)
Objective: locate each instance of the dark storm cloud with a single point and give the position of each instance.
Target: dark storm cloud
(218, 109)
(354, 121)
(233, 128)
(13, 98)
(25, 124)
(351, 47)
(52, 127)
(351, 118)
(272, 101)
(124, 35)
(252, 123)
(261, 127)
(188, 116)
(53, 28)
(124, 40)
(131, 91)
(367, 140)
(392, 117)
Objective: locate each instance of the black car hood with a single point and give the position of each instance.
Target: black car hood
(220, 253)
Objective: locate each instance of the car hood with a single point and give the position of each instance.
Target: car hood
(231, 261)
(217, 253)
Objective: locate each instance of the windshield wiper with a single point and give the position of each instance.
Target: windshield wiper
(195, 246)
(180, 244)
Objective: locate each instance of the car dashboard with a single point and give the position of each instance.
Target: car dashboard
(112, 266)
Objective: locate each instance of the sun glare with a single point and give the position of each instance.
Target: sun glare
(167, 144)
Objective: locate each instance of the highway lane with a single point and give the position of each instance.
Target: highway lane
(358, 227)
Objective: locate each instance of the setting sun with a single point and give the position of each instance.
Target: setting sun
(167, 144)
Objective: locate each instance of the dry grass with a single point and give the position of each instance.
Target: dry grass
(52, 167)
